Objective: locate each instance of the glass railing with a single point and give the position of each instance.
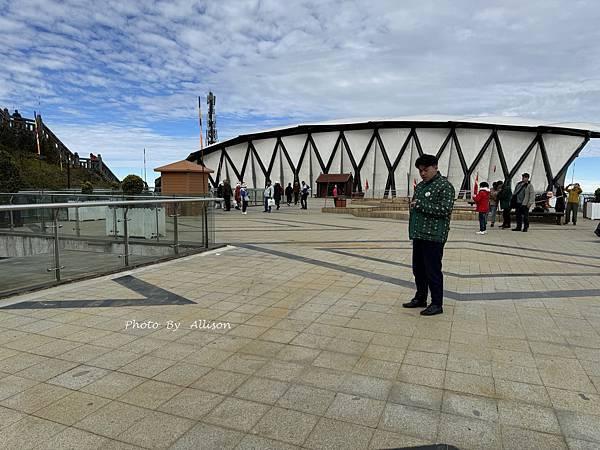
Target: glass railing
(44, 244)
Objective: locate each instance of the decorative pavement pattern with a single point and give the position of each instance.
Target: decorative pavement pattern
(294, 337)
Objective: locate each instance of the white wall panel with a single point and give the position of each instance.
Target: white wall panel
(374, 170)
(237, 153)
(254, 169)
(495, 172)
(325, 143)
(454, 172)
(431, 139)
(406, 171)
(393, 139)
(310, 158)
(294, 146)
(211, 161)
(514, 144)
(532, 165)
(471, 141)
(264, 148)
(358, 141)
(482, 169)
(444, 158)
(559, 149)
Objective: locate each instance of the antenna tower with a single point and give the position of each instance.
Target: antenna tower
(211, 130)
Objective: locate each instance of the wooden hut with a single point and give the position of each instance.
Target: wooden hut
(184, 178)
(326, 182)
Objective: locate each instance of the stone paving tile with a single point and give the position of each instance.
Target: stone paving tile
(469, 433)
(356, 409)
(333, 434)
(36, 397)
(72, 438)
(261, 390)
(286, 425)
(28, 433)
(78, 377)
(519, 438)
(150, 394)
(416, 422)
(237, 414)
(416, 395)
(209, 436)
(307, 399)
(113, 385)
(220, 381)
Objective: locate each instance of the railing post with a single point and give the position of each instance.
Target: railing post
(12, 221)
(115, 224)
(57, 265)
(205, 228)
(77, 226)
(157, 227)
(126, 236)
(176, 230)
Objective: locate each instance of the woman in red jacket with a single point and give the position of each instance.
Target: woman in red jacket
(482, 202)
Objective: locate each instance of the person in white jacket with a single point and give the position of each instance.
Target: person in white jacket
(268, 195)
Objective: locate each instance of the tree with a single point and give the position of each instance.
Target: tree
(87, 187)
(132, 185)
(10, 173)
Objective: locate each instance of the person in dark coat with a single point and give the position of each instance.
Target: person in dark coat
(227, 194)
(504, 197)
(289, 190)
(296, 191)
(559, 207)
(277, 191)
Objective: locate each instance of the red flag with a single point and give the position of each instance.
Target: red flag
(366, 185)
(476, 186)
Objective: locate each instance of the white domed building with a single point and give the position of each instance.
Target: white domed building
(381, 153)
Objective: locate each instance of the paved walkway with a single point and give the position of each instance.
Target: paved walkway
(294, 337)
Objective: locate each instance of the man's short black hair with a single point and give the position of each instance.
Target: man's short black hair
(526, 175)
(426, 160)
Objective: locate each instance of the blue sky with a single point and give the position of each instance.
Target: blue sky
(115, 78)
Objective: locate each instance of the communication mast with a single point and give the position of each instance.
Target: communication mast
(211, 130)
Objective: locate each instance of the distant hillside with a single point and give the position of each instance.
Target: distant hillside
(52, 170)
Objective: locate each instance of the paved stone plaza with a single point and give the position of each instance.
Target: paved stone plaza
(294, 336)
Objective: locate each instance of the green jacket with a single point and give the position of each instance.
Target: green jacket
(430, 216)
(505, 195)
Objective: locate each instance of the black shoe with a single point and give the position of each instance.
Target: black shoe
(516, 229)
(432, 310)
(524, 230)
(505, 226)
(492, 225)
(597, 233)
(415, 303)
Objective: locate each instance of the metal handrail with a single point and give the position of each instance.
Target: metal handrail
(102, 203)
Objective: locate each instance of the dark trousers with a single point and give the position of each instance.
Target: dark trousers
(289, 199)
(295, 198)
(482, 221)
(506, 217)
(522, 217)
(572, 208)
(227, 203)
(427, 269)
(244, 205)
(267, 207)
(303, 201)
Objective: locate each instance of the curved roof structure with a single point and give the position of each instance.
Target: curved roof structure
(382, 151)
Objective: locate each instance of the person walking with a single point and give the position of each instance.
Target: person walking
(574, 191)
(277, 190)
(296, 191)
(429, 224)
(482, 200)
(268, 196)
(289, 190)
(504, 197)
(522, 199)
(559, 206)
(245, 197)
(218, 203)
(237, 195)
(496, 188)
(304, 191)
(227, 194)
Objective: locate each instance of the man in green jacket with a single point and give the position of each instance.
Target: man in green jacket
(429, 223)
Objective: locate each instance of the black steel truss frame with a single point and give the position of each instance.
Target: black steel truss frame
(342, 145)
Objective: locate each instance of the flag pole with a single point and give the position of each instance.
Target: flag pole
(201, 131)
(145, 166)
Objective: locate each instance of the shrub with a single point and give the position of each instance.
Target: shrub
(132, 185)
(10, 173)
(597, 194)
(87, 187)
